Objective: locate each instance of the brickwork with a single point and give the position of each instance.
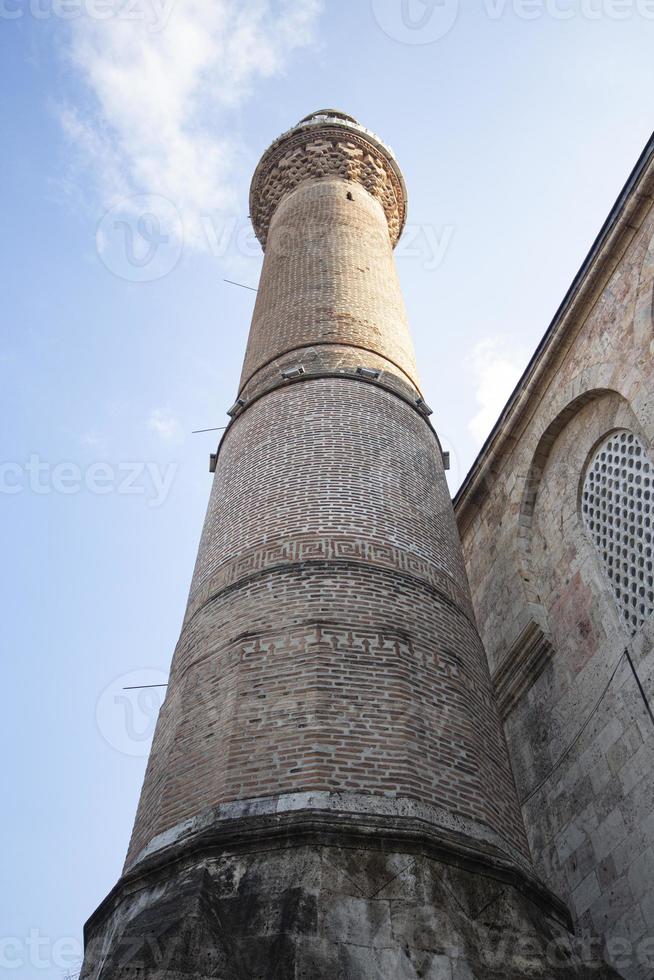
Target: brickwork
(587, 791)
(329, 642)
(331, 459)
(329, 524)
(329, 278)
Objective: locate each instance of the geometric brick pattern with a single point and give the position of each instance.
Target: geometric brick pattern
(329, 704)
(344, 548)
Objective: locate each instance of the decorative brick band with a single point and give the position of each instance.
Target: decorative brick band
(349, 550)
(330, 705)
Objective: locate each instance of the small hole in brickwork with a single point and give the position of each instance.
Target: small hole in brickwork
(616, 485)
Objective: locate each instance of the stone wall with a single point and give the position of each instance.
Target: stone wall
(580, 738)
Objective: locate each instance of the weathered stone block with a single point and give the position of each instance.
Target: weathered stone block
(196, 925)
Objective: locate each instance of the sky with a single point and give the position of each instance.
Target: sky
(130, 132)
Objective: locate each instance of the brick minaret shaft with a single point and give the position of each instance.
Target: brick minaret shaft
(329, 644)
(329, 693)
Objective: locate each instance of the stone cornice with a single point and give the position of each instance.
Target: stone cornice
(326, 146)
(327, 819)
(618, 231)
(521, 668)
(342, 374)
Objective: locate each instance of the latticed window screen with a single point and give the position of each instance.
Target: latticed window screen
(617, 510)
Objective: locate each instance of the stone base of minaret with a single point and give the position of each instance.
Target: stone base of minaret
(328, 894)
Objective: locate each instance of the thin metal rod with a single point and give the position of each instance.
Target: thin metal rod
(640, 686)
(218, 428)
(242, 285)
(142, 687)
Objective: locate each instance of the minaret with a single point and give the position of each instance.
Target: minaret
(328, 793)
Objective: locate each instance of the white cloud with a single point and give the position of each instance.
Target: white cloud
(161, 84)
(166, 425)
(496, 371)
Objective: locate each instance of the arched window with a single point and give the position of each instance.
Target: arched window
(617, 511)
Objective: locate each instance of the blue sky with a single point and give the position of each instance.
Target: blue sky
(516, 124)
